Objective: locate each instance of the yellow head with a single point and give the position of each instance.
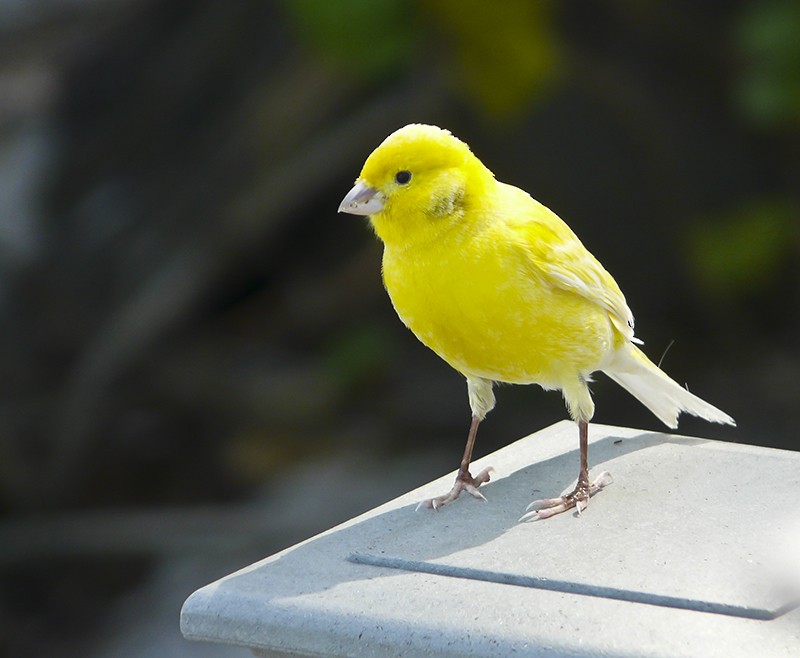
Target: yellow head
(417, 185)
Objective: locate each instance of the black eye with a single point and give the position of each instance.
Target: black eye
(402, 177)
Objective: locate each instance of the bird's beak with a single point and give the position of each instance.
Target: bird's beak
(362, 200)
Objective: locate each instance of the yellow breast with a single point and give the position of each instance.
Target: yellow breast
(475, 302)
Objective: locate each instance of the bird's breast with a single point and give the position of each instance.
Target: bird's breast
(480, 309)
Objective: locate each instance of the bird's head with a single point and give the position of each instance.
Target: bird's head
(418, 183)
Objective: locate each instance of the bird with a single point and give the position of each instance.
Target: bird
(500, 288)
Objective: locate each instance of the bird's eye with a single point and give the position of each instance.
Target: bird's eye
(402, 177)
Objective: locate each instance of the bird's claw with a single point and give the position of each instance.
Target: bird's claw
(577, 498)
(464, 482)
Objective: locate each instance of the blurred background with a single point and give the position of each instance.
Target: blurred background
(199, 363)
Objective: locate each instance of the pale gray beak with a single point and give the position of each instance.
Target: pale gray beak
(362, 200)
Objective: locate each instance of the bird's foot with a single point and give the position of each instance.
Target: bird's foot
(464, 482)
(577, 498)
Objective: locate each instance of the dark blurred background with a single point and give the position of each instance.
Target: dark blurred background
(199, 364)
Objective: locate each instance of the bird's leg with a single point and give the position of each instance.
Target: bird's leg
(464, 480)
(579, 496)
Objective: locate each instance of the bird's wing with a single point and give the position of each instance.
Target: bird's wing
(560, 260)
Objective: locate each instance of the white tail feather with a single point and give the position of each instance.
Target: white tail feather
(632, 370)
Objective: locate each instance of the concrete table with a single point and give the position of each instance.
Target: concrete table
(694, 550)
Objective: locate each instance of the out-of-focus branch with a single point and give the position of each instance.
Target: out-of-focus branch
(172, 291)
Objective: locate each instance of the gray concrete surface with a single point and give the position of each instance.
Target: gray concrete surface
(692, 551)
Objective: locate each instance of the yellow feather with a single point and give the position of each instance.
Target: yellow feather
(497, 284)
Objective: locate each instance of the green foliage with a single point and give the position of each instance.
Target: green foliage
(769, 42)
(743, 253)
(373, 37)
(503, 53)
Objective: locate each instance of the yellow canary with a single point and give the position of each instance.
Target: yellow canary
(500, 288)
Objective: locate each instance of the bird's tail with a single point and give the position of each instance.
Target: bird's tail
(643, 379)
